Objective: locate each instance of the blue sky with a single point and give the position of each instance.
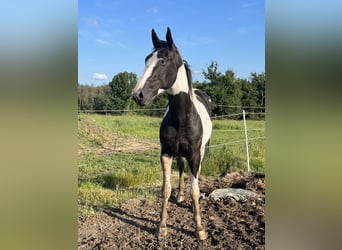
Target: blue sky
(115, 36)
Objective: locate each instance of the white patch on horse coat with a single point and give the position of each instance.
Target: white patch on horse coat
(180, 83)
(150, 64)
(193, 183)
(160, 91)
(205, 119)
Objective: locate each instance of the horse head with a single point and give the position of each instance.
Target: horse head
(161, 68)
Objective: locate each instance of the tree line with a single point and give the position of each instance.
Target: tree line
(228, 94)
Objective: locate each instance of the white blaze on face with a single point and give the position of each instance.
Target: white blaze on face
(150, 64)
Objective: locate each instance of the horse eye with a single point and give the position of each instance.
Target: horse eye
(163, 61)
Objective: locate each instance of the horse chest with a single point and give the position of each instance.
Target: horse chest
(180, 140)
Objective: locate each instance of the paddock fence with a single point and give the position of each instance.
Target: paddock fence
(240, 116)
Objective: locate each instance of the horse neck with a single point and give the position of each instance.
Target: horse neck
(180, 96)
(181, 83)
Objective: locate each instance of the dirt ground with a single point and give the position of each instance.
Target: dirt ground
(229, 224)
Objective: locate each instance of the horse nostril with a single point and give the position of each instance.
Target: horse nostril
(138, 96)
(141, 96)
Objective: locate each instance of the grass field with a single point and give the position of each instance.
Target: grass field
(118, 156)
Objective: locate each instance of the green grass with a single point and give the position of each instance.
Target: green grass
(93, 197)
(92, 167)
(232, 157)
(112, 171)
(130, 125)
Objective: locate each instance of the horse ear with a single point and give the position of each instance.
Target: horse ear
(169, 39)
(155, 39)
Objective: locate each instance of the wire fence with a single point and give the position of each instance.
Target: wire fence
(230, 143)
(234, 142)
(119, 110)
(235, 106)
(163, 109)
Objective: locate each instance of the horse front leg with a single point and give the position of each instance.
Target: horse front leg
(195, 167)
(166, 162)
(195, 193)
(181, 186)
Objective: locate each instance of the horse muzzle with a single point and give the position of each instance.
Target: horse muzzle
(138, 97)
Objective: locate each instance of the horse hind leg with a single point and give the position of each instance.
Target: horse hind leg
(181, 186)
(195, 167)
(166, 162)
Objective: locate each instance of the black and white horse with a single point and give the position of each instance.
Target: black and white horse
(186, 126)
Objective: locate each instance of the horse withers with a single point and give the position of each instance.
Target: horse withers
(186, 127)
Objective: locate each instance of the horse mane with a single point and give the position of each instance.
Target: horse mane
(188, 75)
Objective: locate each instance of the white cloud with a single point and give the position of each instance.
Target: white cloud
(102, 42)
(196, 41)
(153, 10)
(92, 21)
(99, 76)
(248, 5)
(122, 45)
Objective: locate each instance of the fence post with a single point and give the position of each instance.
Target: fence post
(246, 138)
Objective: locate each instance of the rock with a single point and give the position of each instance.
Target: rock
(236, 193)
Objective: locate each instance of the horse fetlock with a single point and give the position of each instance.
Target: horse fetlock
(180, 198)
(201, 234)
(161, 231)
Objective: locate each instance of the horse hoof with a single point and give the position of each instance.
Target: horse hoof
(180, 198)
(162, 232)
(201, 235)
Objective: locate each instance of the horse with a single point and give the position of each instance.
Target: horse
(186, 126)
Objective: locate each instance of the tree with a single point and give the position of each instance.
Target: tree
(103, 99)
(233, 89)
(249, 93)
(259, 81)
(122, 85)
(86, 96)
(249, 97)
(212, 74)
(224, 90)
